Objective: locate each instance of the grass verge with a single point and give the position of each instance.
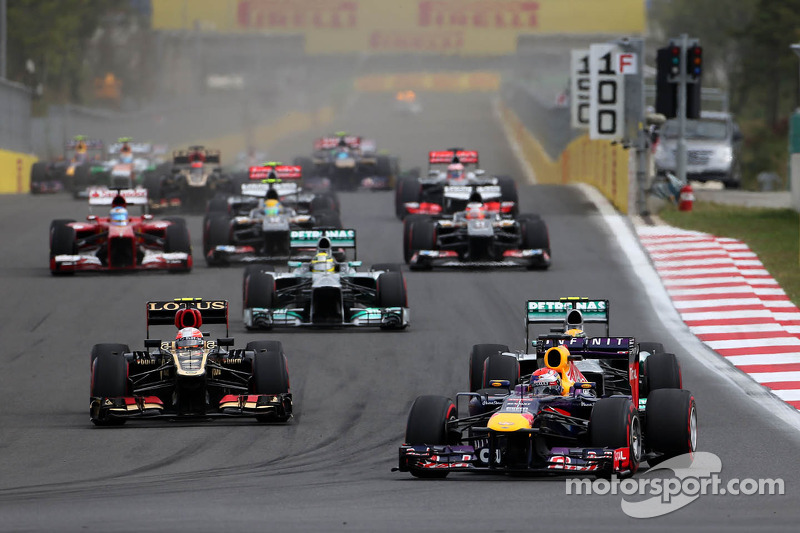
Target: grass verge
(773, 234)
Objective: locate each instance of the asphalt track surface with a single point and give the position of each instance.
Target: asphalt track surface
(329, 468)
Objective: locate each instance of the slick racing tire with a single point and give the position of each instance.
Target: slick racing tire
(383, 166)
(478, 356)
(109, 380)
(422, 237)
(407, 190)
(62, 242)
(508, 192)
(500, 367)
(662, 371)
(82, 178)
(175, 220)
(218, 205)
(38, 174)
(252, 270)
(216, 232)
(259, 289)
(270, 373)
(615, 423)
(151, 181)
(108, 348)
(322, 203)
(535, 236)
(671, 423)
(391, 291)
(427, 424)
(408, 222)
(177, 240)
(327, 219)
(306, 166)
(646, 349)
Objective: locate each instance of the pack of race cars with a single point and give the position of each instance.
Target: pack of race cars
(568, 403)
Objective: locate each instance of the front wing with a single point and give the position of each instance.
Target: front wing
(383, 317)
(151, 261)
(559, 461)
(532, 258)
(246, 405)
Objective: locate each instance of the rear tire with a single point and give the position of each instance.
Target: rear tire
(481, 352)
(427, 424)
(615, 423)
(508, 192)
(671, 422)
(662, 371)
(500, 367)
(270, 373)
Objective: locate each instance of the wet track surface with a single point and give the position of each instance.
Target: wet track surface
(329, 468)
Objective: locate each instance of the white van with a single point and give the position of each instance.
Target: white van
(712, 149)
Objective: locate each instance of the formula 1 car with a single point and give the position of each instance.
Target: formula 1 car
(578, 405)
(189, 377)
(257, 226)
(479, 236)
(80, 167)
(193, 179)
(326, 292)
(447, 191)
(347, 162)
(119, 241)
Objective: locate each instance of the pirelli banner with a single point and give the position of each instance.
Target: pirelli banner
(457, 27)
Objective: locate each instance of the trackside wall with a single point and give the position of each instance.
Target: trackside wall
(597, 163)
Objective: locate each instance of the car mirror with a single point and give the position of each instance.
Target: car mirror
(295, 264)
(225, 341)
(152, 343)
(91, 218)
(354, 264)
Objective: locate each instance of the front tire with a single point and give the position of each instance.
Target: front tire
(270, 373)
(109, 380)
(671, 427)
(615, 423)
(427, 424)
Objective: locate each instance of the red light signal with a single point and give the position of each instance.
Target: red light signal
(694, 62)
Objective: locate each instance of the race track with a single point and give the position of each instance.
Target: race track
(329, 468)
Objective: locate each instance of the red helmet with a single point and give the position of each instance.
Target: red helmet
(475, 211)
(189, 338)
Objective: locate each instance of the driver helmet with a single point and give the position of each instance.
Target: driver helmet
(118, 216)
(575, 332)
(272, 208)
(455, 172)
(475, 211)
(80, 147)
(189, 338)
(546, 382)
(125, 153)
(322, 262)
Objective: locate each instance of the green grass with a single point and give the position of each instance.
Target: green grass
(773, 234)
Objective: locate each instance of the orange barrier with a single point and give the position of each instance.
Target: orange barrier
(15, 172)
(453, 82)
(597, 163)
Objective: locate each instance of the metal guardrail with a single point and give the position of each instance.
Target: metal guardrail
(15, 117)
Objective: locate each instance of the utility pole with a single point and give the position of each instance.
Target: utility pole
(681, 112)
(3, 38)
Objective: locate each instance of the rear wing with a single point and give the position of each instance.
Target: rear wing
(441, 157)
(618, 348)
(260, 189)
(136, 148)
(556, 312)
(194, 154)
(91, 144)
(163, 313)
(328, 143)
(104, 196)
(339, 238)
(277, 172)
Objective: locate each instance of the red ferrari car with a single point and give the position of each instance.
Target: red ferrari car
(119, 241)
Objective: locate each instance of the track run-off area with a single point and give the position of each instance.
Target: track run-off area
(329, 468)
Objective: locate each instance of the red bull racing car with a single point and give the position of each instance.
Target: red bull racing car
(191, 376)
(578, 405)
